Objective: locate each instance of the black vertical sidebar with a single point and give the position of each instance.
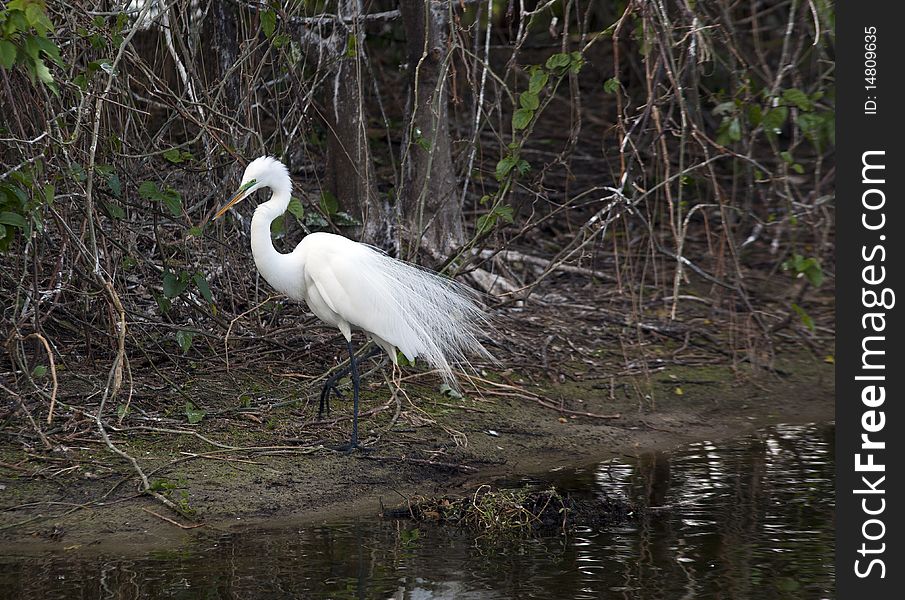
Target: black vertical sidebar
(870, 268)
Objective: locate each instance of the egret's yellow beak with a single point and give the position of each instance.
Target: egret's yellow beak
(238, 197)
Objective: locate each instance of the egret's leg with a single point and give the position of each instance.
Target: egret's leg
(356, 383)
(331, 385)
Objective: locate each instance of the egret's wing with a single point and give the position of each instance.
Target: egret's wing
(419, 312)
(338, 275)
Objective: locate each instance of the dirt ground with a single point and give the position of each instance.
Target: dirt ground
(421, 442)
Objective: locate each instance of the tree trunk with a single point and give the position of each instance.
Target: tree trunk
(430, 209)
(225, 43)
(350, 171)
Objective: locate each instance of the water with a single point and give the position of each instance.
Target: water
(753, 518)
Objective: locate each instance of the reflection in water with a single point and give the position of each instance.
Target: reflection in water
(749, 519)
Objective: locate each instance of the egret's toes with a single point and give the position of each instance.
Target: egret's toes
(349, 448)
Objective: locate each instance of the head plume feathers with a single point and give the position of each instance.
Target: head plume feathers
(268, 171)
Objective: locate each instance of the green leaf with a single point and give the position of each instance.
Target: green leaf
(268, 22)
(42, 71)
(504, 211)
(798, 168)
(203, 288)
(529, 100)
(558, 61)
(173, 155)
(724, 108)
(774, 119)
(278, 226)
(483, 224)
(121, 410)
(184, 339)
(735, 129)
(814, 274)
(173, 284)
(538, 81)
(421, 140)
(797, 98)
(15, 193)
(34, 12)
(808, 267)
(115, 185)
(576, 62)
(114, 210)
(730, 131)
(522, 118)
(11, 218)
(193, 414)
(805, 317)
(296, 209)
(811, 126)
(505, 166)
(755, 114)
(487, 222)
(39, 372)
(50, 50)
(163, 303)
(611, 85)
(7, 54)
(163, 485)
(148, 190)
(173, 200)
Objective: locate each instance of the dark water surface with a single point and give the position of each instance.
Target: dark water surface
(751, 518)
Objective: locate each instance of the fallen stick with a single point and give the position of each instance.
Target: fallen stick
(579, 413)
(171, 521)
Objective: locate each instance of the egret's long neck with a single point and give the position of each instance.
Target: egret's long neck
(276, 267)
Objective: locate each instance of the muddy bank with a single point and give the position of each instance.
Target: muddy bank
(427, 443)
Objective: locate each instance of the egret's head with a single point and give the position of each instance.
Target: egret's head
(261, 172)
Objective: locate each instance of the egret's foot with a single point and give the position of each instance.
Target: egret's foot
(349, 448)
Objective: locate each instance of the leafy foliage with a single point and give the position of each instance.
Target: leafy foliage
(168, 197)
(806, 267)
(24, 41)
(193, 414)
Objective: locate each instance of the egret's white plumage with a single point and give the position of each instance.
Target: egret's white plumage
(354, 286)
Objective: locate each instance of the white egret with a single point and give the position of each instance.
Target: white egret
(354, 286)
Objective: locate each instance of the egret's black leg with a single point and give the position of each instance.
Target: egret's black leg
(356, 383)
(331, 385)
